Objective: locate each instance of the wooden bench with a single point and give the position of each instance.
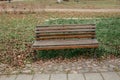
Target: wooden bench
(65, 37)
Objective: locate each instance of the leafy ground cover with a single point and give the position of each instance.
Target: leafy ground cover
(17, 35)
(92, 4)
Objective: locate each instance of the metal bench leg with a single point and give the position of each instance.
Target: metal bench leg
(95, 54)
(9, 1)
(35, 51)
(35, 55)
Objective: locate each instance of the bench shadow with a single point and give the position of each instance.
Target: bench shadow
(70, 53)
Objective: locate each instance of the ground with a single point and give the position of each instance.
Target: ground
(17, 36)
(82, 76)
(18, 53)
(66, 66)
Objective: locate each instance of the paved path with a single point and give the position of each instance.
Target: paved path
(58, 10)
(83, 10)
(82, 76)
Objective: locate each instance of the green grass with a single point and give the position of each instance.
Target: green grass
(17, 36)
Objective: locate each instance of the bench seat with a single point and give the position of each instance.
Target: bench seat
(65, 44)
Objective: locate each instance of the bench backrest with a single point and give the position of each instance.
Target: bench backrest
(65, 31)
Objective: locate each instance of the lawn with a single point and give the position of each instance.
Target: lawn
(17, 34)
(92, 4)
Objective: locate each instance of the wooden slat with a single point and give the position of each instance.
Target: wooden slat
(65, 34)
(65, 42)
(65, 27)
(75, 30)
(66, 47)
(64, 37)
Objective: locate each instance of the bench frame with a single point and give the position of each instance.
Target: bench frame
(44, 35)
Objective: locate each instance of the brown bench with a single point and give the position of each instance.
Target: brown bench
(65, 37)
